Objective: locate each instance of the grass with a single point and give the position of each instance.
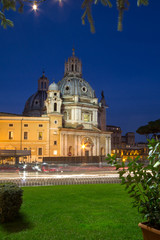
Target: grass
(73, 212)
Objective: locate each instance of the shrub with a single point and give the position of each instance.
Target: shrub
(10, 201)
(143, 183)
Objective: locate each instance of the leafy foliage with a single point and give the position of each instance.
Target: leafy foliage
(143, 183)
(10, 201)
(5, 22)
(152, 127)
(12, 5)
(87, 5)
(122, 5)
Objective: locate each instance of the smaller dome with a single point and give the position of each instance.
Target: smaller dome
(53, 87)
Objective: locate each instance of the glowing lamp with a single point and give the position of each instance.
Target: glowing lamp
(83, 146)
(34, 7)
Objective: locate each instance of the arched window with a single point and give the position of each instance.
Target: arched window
(45, 85)
(55, 107)
(42, 85)
(72, 67)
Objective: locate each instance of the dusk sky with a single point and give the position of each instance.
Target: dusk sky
(125, 65)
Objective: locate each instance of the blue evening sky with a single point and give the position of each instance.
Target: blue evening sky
(124, 64)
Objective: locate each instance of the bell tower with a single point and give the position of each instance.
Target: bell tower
(53, 102)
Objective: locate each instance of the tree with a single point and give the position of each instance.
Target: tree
(144, 130)
(122, 5)
(152, 128)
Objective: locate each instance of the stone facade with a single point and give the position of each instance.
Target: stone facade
(63, 119)
(125, 146)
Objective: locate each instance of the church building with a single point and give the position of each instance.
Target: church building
(60, 119)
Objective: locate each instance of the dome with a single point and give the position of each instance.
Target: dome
(75, 86)
(72, 83)
(53, 86)
(35, 104)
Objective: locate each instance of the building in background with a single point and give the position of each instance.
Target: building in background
(63, 119)
(125, 146)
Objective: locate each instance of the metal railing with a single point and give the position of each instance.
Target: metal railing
(61, 181)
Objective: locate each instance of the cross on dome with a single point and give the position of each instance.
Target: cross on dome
(73, 51)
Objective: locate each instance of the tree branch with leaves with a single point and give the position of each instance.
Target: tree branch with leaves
(14, 5)
(152, 129)
(122, 5)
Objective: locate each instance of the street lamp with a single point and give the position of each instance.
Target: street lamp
(83, 146)
(34, 7)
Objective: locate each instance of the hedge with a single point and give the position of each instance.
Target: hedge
(10, 201)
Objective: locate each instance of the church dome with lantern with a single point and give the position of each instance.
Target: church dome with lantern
(61, 119)
(79, 103)
(35, 104)
(72, 85)
(72, 97)
(72, 82)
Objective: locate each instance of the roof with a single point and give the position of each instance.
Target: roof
(35, 103)
(9, 114)
(75, 86)
(112, 126)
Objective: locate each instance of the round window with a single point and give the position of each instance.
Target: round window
(67, 88)
(84, 89)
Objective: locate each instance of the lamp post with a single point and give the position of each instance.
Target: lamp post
(83, 147)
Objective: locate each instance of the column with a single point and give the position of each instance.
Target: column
(61, 144)
(106, 146)
(79, 146)
(72, 114)
(94, 147)
(97, 146)
(109, 145)
(75, 145)
(94, 118)
(65, 144)
(79, 112)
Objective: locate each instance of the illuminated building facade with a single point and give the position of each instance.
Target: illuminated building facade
(63, 119)
(125, 146)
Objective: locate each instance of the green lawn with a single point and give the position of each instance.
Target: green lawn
(86, 212)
